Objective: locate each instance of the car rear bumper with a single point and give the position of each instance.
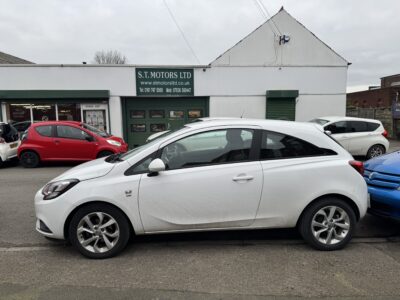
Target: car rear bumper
(384, 202)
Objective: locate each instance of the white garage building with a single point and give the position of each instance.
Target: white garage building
(294, 76)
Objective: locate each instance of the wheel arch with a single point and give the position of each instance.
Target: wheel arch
(29, 150)
(346, 199)
(72, 213)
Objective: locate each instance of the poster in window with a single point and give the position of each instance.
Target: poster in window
(138, 114)
(157, 114)
(176, 114)
(194, 113)
(157, 127)
(138, 127)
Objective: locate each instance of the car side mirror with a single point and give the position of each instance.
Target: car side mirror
(156, 165)
(328, 132)
(89, 138)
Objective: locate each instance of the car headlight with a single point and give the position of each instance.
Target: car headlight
(54, 189)
(114, 143)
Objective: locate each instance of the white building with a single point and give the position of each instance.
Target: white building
(262, 76)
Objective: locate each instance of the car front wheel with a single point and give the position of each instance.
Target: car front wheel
(328, 224)
(99, 231)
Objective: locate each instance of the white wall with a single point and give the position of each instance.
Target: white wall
(249, 107)
(116, 116)
(312, 106)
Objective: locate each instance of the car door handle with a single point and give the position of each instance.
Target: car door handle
(243, 178)
(57, 142)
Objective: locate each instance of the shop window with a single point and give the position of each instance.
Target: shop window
(18, 112)
(176, 114)
(138, 114)
(157, 114)
(157, 127)
(195, 113)
(138, 127)
(69, 112)
(44, 112)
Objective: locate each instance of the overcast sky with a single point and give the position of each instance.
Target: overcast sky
(365, 32)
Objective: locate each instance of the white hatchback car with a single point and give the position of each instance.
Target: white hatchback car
(361, 137)
(9, 142)
(236, 174)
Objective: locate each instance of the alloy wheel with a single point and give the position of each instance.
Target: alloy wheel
(375, 151)
(330, 225)
(98, 232)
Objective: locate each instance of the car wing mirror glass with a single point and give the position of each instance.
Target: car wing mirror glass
(156, 165)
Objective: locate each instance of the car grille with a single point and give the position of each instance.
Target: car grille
(382, 180)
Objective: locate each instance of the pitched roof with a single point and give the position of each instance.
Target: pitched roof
(9, 59)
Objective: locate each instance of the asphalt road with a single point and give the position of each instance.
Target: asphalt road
(263, 264)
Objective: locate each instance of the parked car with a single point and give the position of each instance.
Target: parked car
(382, 175)
(361, 137)
(237, 174)
(9, 142)
(66, 141)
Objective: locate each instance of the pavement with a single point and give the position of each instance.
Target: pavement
(261, 264)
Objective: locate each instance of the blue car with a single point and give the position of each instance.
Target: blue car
(382, 175)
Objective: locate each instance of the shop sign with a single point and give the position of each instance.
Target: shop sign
(164, 82)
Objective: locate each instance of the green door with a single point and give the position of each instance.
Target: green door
(146, 116)
(281, 105)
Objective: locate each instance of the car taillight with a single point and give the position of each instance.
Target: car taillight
(357, 165)
(385, 133)
(2, 141)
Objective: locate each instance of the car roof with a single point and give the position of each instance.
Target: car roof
(263, 123)
(41, 123)
(338, 118)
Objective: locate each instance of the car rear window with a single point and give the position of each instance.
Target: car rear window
(8, 133)
(44, 130)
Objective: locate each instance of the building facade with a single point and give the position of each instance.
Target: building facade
(294, 76)
(381, 103)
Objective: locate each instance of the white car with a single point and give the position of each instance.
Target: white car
(216, 175)
(361, 137)
(9, 142)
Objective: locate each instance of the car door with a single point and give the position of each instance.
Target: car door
(340, 132)
(358, 137)
(74, 144)
(211, 181)
(45, 141)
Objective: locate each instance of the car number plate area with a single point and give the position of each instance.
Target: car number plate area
(13, 145)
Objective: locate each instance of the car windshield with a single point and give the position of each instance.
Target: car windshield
(319, 121)
(95, 130)
(136, 150)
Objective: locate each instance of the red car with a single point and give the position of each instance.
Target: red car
(66, 141)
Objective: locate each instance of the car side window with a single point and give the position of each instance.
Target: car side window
(142, 166)
(358, 126)
(279, 146)
(69, 132)
(209, 148)
(338, 127)
(44, 130)
(372, 126)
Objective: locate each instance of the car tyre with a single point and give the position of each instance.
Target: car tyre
(375, 151)
(104, 154)
(99, 231)
(29, 159)
(328, 224)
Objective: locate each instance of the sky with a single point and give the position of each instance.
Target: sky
(365, 32)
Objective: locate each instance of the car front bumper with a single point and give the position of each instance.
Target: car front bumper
(50, 216)
(384, 202)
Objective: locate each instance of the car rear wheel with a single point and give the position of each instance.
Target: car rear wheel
(29, 159)
(104, 154)
(375, 151)
(328, 224)
(99, 231)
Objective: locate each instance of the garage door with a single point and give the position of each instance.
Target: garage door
(281, 105)
(146, 116)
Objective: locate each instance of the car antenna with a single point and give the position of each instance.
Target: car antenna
(241, 116)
